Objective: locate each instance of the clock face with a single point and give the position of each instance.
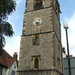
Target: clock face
(37, 21)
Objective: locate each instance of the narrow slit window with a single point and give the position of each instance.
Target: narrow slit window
(36, 40)
(36, 63)
(58, 62)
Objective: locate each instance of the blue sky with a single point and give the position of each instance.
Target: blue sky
(67, 8)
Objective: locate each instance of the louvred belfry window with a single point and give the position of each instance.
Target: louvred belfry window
(38, 4)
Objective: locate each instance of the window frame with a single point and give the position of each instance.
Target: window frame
(36, 63)
(33, 62)
(34, 39)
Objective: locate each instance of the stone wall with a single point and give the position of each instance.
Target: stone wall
(30, 4)
(45, 26)
(48, 51)
(40, 72)
(44, 49)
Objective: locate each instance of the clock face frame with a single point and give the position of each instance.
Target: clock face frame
(37, 21)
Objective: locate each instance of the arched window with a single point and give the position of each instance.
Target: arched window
(36, 63)
(58, 63)
(36, 41)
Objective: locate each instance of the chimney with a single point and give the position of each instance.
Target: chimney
(70, 55)
(63, 49)
(15, 55)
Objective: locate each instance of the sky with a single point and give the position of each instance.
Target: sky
(67, 8)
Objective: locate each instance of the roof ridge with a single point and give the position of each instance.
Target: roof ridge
(10, 62)
(7, 59)
(8, 54)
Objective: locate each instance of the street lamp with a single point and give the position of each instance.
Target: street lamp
(66, 27)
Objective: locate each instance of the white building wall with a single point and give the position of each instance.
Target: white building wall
(64, 55)
(13, 68)
(5, 71)
(8, 71)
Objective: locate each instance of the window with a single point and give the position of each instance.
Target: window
(14, 65)
(13, 73)
(58, 63)
(36, 63)
(0, 70)
(38, 4)
(36, 39)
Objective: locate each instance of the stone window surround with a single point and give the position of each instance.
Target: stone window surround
(33, 62)
(34, 37)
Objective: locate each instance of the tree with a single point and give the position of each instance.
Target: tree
(6, 8)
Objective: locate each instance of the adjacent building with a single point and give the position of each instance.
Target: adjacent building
(65, 63)
(72, 66)
(8, 64)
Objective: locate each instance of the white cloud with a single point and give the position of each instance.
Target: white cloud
(12, 45)
(15, 16)
(20, 1)
(71, 34)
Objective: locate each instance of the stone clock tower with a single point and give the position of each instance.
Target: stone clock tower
(40, 49)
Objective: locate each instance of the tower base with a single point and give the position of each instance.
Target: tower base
(39, 72)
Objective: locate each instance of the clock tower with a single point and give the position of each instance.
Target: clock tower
(40, 49)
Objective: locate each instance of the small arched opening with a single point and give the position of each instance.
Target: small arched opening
(36, 63)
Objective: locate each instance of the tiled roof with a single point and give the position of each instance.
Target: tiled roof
(6, 60)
